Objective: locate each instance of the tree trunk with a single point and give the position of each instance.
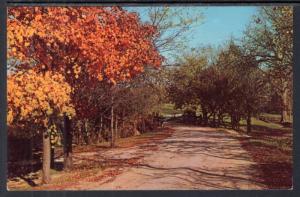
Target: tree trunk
(220, 119)
(233, 122)
(123, 118)
(281, 115)
(112, 127)
(101, 128)
(249, 121)
(287, 110)
(67, 144)
(46, 159)
(116, 130)
(52, 158)
(78, 136)
(135, 130)
(86, 132)
(143, 124)
(238, 119)
(205, 118)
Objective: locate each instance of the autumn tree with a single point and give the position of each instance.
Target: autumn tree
(247, 90)
(142, 97)
(102, 38)
(181, 87)
(270, 40)
(83, 44)
(39, 99)
(229, 83)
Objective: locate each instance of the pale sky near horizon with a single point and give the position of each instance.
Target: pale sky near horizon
(220, 23)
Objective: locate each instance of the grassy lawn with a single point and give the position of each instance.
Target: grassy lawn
(274, 116)
(269, 125)
(168, 109)
(271, 145)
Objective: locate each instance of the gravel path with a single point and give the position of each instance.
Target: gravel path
(201, 158)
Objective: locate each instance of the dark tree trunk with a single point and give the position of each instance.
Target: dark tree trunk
(214, 119)
(46, 159)
(233, 121)
(205, 117)
(220, 119)
(123, 118)
(249, 126)
(135, 129)
(116, 130)
(112, 127)
(79, 136)
(67, 143)
(143, 124)
(87, 135)
(101, 128)
(52, 158)
(237, 122)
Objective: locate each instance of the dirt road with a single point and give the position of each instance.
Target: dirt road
(192, 158)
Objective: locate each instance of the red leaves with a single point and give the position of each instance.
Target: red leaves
(103, 36)
(84, 44)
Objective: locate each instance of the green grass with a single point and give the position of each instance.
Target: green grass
(267, 115)
(169, 109)
(282, 144)
(257, 122)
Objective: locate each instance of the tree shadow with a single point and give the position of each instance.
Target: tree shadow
(27, 172)
(267, 131)
(232, 179)
(274, 162)
(274, 174)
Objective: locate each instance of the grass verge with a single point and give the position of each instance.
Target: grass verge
(270, 145)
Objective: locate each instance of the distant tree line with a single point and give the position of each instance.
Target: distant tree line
(239, 80)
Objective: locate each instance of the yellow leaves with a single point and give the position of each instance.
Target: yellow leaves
(19, 37)
(30, 32)
(49, 111)
(52, 131)
(10, 117)
(26, 44)
(100, 77)
(76, 70)
(36, 96)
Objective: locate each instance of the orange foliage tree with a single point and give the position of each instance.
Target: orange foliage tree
(39, 98)
(84, 44)
(111, 42)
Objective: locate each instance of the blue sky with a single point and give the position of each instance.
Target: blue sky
(219, 23)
